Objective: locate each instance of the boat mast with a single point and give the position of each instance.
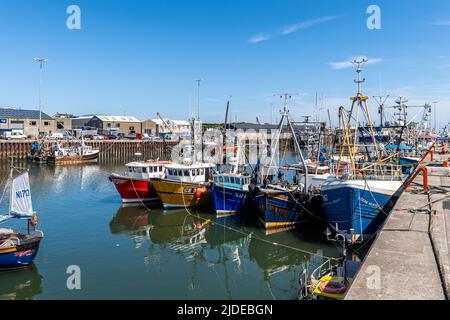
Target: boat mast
(285, 117)
(358, 102)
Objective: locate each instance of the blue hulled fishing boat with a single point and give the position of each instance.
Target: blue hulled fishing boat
(358, 207)
(278, 209)
(282, 205)
(358, 197)
(229, 192)
(19, 249)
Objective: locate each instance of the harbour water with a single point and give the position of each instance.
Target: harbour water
(135, 253)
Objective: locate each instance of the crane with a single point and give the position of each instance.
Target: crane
(165, 123)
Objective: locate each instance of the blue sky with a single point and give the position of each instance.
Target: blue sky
(140, 57)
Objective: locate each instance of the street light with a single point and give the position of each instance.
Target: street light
(41, 62)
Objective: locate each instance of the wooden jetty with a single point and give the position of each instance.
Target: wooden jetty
(409, 259)
(109, 149)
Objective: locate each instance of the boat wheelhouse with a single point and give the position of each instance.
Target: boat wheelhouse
(135, 185)
(184, 185)
(229, 192)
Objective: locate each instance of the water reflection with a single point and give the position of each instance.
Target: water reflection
(152, 254)
(23, 284)
(226, 243)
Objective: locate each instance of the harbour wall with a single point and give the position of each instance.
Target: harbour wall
(109, 149)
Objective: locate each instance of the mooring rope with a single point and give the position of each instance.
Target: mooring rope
(252, 234)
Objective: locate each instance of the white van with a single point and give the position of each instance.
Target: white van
(57, 135)
(15, 135)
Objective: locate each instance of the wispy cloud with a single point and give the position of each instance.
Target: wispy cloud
(306, 24)
(259, 38)
(441, 22)
(347, 64)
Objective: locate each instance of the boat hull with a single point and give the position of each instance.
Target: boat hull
(73, 159)
(19, 256)
(277, 212)
(134, 191)
(358, 208)
(174, 194)
(228, 200)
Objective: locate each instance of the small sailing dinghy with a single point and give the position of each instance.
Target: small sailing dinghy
(19, 249)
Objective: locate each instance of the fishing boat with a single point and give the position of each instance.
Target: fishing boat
(19, 249)
(135, 185)
(283, 205)
(281, 208)
(358, 197)
(184, 185)
(73, 155)
(229, 192)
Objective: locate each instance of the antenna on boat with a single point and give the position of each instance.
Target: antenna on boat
(358, 63)
(381, 100)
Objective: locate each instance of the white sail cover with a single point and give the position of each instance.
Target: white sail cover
(20, 202)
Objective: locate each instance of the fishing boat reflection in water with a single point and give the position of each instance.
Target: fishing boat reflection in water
(21, 284)
(215, 254)
(175, 227)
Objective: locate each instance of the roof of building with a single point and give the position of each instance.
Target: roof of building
(64, 115)
(23, 114)
(254, 126)
(83, 118)
(171, 122)
(118, 118)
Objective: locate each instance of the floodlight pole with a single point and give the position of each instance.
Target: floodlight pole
(41, 64)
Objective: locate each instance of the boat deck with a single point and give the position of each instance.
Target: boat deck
(409, 259)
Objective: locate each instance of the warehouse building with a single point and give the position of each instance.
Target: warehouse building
(26, 121)
(120, 124)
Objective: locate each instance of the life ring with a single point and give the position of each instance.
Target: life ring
(333, 287)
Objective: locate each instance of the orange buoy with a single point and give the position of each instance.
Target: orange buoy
(198, 193)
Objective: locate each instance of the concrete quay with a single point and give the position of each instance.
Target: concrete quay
(409, 259)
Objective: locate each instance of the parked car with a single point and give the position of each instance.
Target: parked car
(15, 135)
(56, 135)
(101, 137)
(88, 137)
(130, 136)
(139, 136)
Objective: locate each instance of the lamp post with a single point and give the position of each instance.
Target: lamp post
(41, 62)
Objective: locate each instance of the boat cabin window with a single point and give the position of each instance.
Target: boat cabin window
(186, 173)
(144, 170)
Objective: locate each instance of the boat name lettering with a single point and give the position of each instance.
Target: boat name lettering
(23, 193)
